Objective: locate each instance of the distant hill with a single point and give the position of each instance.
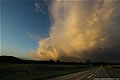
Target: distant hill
(12, 59)
(9, 59)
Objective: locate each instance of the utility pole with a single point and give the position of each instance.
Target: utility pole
(0, 51)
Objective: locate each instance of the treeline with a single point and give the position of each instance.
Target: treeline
(11, 59)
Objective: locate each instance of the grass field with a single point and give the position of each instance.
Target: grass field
(113, 70)
(37, 71)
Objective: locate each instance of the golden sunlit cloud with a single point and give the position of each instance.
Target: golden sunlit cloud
(77, 26)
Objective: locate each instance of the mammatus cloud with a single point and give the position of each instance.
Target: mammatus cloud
(78, 27)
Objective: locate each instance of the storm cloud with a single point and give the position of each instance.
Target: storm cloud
(81, 30)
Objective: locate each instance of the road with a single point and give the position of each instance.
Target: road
(85, 75)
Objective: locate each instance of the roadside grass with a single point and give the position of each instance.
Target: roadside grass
(37, 71)
(113, 70)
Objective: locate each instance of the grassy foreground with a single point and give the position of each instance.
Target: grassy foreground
(113, 70)
(37, 71)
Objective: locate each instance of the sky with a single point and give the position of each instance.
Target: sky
(22, 25)
(64, 30)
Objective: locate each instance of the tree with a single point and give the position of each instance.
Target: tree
(88, 61)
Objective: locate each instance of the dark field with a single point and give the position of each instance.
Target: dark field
(37, 71)
(113, 70)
